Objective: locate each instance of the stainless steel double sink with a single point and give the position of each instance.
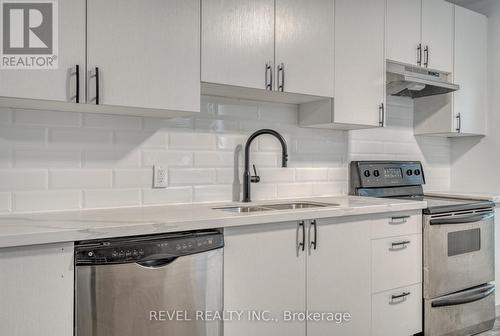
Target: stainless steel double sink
(276, 206)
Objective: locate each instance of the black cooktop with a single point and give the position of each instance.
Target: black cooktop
(436, 204)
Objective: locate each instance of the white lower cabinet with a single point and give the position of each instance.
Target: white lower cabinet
(263, 271)
(325, 266)
(36, 290)
(397, 312)
(338, 276)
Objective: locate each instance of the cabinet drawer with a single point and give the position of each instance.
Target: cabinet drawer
(396, 262)
(397, 312)
(397, 224)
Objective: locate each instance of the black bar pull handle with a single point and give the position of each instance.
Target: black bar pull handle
(381, 109)
(77, 77)
(281, 83)
(269, 76)
(419, 54)
(426, 57)
(459, 122)
(399, 298)
(96, 76)
(313, 244)
(301, 245)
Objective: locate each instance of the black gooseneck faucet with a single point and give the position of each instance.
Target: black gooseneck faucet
(247, 176)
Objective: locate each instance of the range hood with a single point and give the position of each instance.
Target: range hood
(415, 82)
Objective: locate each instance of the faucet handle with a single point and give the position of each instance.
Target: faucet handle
(255, 178)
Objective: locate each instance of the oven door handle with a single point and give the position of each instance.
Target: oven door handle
(474, 295)
(463, 219)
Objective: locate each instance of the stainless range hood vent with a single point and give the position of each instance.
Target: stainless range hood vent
(416, 82)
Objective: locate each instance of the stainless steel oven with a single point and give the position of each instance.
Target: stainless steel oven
(458, 251)
(458, 245)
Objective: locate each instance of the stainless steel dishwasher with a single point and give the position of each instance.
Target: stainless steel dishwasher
(149, 285)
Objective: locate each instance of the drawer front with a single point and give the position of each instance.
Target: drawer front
(397, 312)
(396, 262)
(397, 224)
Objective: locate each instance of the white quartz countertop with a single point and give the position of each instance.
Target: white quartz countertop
(466, 194)
(51, 227)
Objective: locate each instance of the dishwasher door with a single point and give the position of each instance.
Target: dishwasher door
(155, 298)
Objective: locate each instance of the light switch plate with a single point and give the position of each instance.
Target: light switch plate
(160, 178)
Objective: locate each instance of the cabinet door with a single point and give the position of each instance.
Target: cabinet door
(57, 84)
(36, 290)
(359, 61)
(403, 30)
(304, 44)
(148, 53)
(437, 34)
(263, 271)
(237, 42)
(338, 276)
(470, 70)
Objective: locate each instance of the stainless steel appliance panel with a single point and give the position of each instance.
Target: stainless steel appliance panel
(458, 252)
(117, 300)
(460, 314)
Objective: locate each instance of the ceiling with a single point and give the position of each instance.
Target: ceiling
(481, 6)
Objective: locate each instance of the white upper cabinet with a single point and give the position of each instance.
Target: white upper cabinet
(304, 47)
(404, 20)
(420, 32)
(470, 72)
(147, 53)
(462, 113)
(359, 62)
(54, 84)
(274, 45)
(359, 70)
(237, 42)
(437, 35)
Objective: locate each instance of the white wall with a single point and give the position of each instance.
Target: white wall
(61, 160)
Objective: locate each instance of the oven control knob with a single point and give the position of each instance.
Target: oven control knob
(376, 173)
(409, 172)
(417, 172)
(366, 173)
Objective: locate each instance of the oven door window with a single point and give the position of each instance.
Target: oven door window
(461, 242)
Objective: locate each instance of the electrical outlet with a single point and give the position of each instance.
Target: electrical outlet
(160, 177)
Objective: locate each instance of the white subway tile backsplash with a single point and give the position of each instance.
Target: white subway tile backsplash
(290, 190)
(5, 157)
(216, 193)
(111, 198)
(5, 202)
(80, 179)
(57, 160)
(111, 122)
(179, 176)
(112, 158)
(133, 178)
(170, 158)
(11, 136)
(46, 200)
(311, 174)
(22, 179)
(47, 118)
(214, 159)
(169, 195)
(5, 115)
(197, 141)
(133, 139)
(79, 137)
(44, 158)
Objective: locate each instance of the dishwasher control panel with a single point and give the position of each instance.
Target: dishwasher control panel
(146, 248)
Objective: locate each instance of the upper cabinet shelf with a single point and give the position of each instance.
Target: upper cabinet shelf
(132, 59)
